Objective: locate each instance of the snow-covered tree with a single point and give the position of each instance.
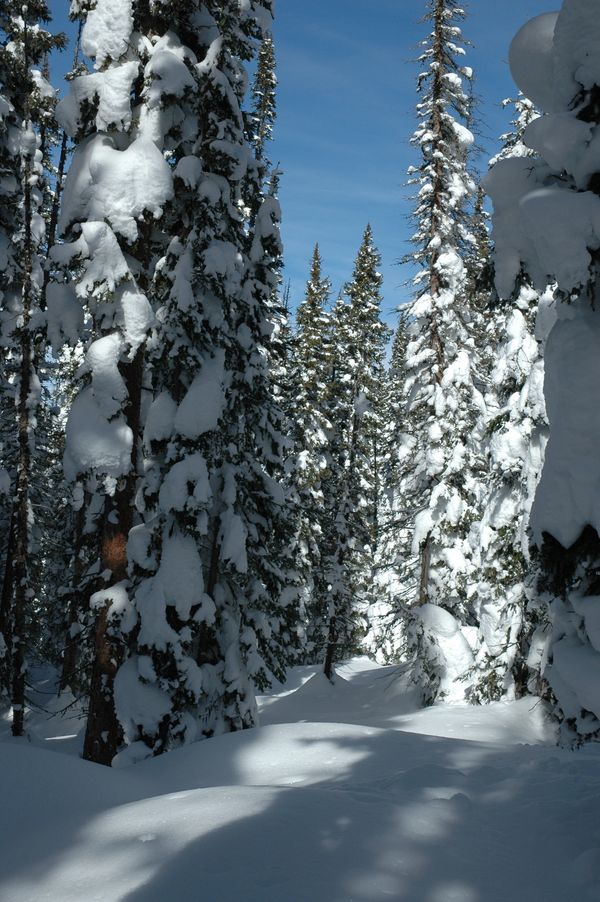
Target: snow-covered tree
(352, 493)
(26, 102)
(514, 437)
(441, 399)
(546, 224)
(118, 184)
(215, 591)
(310, 377)
(264, 101)
(394, 579)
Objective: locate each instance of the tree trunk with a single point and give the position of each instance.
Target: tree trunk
(69, 666)
(6, 609)
(21, 557)
(425, 570)
(25, 415)
(331, 647)
(104, 735)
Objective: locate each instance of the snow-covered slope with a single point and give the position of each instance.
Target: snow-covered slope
(443, 805)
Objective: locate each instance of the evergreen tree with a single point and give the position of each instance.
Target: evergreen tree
(310, 376)
(26, 103)
(353, 491)
(393, 564)
(264, 101)
(514, 437)
(213, 568)
(442, 401)
(116, 190)
(544, 207)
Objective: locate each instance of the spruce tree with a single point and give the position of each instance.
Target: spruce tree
(514, 437)
(545, 210)
(214, 597)
(441, 397)
(26, 103)
(393, 565)
(353, 490)
(310, 376)
(116, 190)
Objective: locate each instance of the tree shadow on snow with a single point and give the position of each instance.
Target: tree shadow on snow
(415, 819)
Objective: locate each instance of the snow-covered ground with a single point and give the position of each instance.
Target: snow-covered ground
(345, 794)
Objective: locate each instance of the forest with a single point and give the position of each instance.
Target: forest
(237, 533)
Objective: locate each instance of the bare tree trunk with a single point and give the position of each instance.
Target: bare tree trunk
(22, 526)
(21, 557)
(6, 609)
(331, 646)
(425, 571)
(69, 666)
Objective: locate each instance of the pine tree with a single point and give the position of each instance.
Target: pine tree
(544, 206)
(393, 563)
(514, 437)
(116, 190)
(26, 103)
(441, 396)
(214, 585)
(264, 102)
(353, 490)
(310, 376)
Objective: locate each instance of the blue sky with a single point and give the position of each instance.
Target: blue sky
(345, 115)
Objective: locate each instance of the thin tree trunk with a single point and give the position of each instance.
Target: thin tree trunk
(331, 647)
(6, 608)
(425, 571)
(69, 666)
(22, 525)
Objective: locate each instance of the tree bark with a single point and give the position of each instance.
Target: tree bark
(425, 570)
(69, 666)
(104, 734)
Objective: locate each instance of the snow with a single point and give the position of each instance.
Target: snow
(137, 317)
(109, 388)
(576, 51)
(64, 314)
(530, 60)
(105, 265)
(106, 183)
(345, 794)
(186, 480)
(160, 418)
(203, 403)
(111, 90)
(106, 31)
(568, 498)
(138, 702)
(166, 72)
(589, 608)
(233, 535)
(451, 644)
(92, 441)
